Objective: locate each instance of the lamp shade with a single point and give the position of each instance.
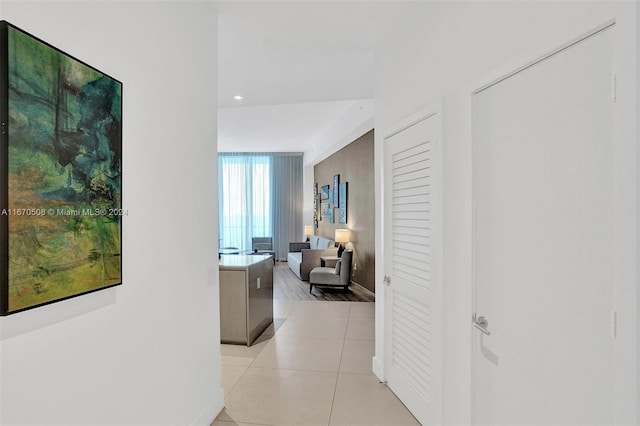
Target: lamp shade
(342, 235)
(308, 230)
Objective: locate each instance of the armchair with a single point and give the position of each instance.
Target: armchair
(339, 276)
(263, 245)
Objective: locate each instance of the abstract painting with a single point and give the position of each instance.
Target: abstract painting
(336, 193)
(325, 192)
(327, 211)
(318, 211)
(60, 175)
(316, 205)
(343, 203)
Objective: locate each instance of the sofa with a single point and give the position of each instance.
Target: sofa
(303, 257)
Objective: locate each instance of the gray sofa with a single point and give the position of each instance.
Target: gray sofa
(303, 257)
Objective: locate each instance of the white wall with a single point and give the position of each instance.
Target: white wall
(147, 352)
(436, 50)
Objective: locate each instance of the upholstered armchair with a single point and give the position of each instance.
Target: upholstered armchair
(340, 276)
(263, 245)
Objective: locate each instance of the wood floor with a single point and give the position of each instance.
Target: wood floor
(286, 286)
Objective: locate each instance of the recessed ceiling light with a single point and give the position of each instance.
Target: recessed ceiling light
(238, 98)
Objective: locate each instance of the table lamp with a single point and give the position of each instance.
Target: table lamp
(308, 231)
(341, 236)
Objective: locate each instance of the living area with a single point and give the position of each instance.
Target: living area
(320, 222)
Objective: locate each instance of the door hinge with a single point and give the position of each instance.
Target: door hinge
(614, 88)
(614, 323)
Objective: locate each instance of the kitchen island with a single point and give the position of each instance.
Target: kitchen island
(246, 297)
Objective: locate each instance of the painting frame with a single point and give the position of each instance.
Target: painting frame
(60, 175)
(336, 191)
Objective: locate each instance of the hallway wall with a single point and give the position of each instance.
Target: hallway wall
(146, 352)
(436, 51)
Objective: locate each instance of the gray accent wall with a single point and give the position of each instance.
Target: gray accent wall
(354, 163)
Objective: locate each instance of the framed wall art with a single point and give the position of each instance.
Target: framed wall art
(318, 211)
(60, 175)
(325, 192)
(342, 218)
(315, 205)
(327, 211)
(336, 189)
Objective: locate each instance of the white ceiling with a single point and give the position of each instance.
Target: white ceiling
(305, 69)
(285, 127)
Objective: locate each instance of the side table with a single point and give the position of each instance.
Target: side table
(329, 261)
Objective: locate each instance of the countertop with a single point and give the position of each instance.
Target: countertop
(240, 261)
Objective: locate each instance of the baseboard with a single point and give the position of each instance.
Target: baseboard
(211, 411)
(364, 289)
(378, 368)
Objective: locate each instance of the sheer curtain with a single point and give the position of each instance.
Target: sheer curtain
(286, 187)
(244, 207)
(260, 195)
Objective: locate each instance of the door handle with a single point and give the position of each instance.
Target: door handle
(387, 280)
(481, 323)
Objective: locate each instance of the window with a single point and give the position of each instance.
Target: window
(245, 199)
(260, 195)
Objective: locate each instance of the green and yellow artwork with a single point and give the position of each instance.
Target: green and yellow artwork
(60, 175)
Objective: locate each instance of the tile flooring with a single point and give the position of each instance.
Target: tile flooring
(315, 369)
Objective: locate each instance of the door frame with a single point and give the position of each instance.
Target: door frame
(378, 363)
(433, 109)
(627, 193)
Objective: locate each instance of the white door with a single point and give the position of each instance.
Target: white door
(544, 247)
(412, 243)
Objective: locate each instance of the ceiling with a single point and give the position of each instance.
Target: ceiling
(306, 71)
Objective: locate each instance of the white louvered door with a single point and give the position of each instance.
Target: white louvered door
(412, 248)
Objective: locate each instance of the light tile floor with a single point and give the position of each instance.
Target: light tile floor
(313, 367)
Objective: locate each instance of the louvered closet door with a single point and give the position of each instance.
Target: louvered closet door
(413, 333)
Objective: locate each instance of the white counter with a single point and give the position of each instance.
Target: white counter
(240, 261)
